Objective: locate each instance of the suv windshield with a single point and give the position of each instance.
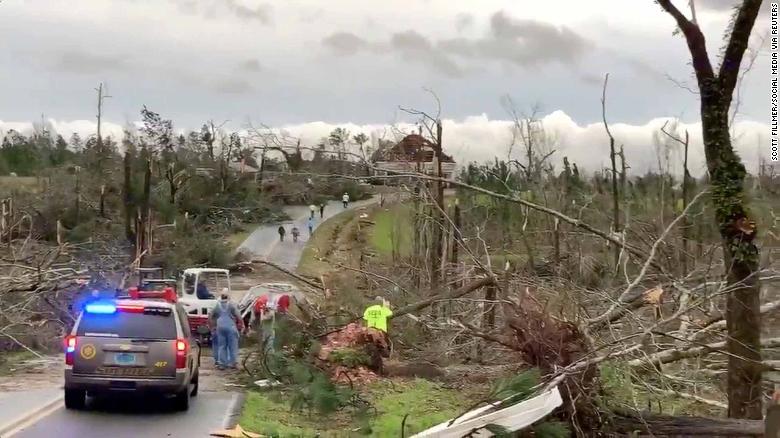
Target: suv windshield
(128, 325)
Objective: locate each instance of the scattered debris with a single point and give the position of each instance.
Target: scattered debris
(355, 353)
(513, 418)
(236, 432)
(267, 383)
(360, 374)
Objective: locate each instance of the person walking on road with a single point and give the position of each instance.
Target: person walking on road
(312, 209)
(322, 210)
(281, 233)
(345, 199)
(311, 226)
(226, 318)
(295, 233)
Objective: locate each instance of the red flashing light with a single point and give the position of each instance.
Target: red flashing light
(182, 346)
(70, 349)
(129, 308)
(168, 294)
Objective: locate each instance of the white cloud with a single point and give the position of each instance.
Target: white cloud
(481, 139)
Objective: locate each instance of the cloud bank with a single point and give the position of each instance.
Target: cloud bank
(481, 139)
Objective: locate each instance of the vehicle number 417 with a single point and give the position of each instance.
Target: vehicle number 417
(160, 364)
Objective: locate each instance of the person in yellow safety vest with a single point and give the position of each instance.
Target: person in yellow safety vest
(376, 315)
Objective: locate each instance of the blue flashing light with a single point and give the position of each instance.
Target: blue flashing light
(100, 308)
(70, 349)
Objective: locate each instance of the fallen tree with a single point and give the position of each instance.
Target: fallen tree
(667, 425)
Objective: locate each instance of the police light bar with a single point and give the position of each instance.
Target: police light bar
(100, 308)
(168, 294)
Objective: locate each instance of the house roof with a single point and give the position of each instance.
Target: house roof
(245, 168)
(412, 148)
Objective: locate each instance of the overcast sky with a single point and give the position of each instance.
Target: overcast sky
(294, 63)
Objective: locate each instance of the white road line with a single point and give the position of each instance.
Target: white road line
(31, 417)
(233, 412)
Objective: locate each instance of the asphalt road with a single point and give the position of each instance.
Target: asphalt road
(264, 241)
(209, 411)
(119, 418)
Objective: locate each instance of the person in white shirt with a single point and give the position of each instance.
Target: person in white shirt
(345, 199)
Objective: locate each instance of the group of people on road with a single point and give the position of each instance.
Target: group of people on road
(226, 325)
(313, 208)
(294, 231)
(311, 221)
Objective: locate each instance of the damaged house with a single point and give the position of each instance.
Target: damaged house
(414, 153)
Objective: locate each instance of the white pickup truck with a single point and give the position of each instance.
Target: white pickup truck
(199, 292)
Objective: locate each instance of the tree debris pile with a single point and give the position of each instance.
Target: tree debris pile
(354, 354)
(40, 286)
(551, 344)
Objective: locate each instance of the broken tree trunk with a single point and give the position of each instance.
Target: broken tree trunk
(437, 215)
(612, 158)
(128, 198)
(665, 425)
(457, 293)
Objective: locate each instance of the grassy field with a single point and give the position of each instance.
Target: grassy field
(622, 389)
(426, 403)
(11, 184)
(9, 361)
(321, 243)
(392, 229)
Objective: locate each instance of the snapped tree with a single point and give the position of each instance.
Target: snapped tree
(737, 229)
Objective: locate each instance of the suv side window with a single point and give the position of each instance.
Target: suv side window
(185, 324)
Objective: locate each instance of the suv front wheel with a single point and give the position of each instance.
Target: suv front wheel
(75, 398)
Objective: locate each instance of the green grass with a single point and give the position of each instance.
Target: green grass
(10, 360)
(28, 184)
(499, 260)
(426, 403)
(621, 390)
(321, 243)
(270, 415)
(393, 229)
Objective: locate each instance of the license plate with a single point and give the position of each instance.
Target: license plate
(124, 358)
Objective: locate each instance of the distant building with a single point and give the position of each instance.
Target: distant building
(412, 154)
(242, 167)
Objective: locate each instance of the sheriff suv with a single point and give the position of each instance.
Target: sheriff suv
(137, 344)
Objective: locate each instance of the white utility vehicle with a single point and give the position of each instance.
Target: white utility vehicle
(199, 292)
